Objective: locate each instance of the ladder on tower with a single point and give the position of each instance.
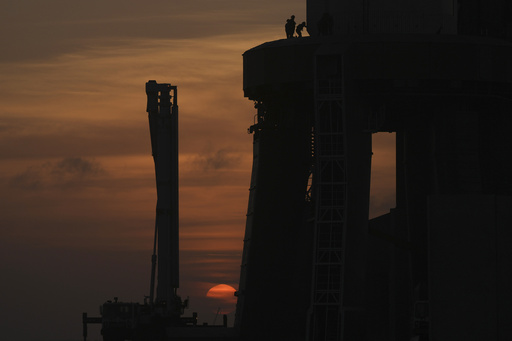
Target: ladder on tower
(329, 195)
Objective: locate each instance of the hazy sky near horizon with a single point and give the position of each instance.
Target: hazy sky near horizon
(77, 187)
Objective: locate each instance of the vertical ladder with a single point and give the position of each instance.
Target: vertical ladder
(330, 193)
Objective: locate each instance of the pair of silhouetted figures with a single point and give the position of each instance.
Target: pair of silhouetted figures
(289, 27)
(324, 26)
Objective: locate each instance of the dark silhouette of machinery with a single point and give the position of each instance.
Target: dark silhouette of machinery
(437, 73)
(160, 317)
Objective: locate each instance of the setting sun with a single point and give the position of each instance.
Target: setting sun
(221, 299)
(222, 291)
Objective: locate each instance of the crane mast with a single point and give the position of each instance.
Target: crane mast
(162, 108)
(160, 316)
(154, 319)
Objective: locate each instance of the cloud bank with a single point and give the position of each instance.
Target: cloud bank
(70, 172)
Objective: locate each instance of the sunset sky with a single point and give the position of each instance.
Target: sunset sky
(77, 187)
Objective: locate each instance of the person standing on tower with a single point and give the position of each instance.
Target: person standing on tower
(299, 29)
(289, 27)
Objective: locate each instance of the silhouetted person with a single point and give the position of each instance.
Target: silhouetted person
(299, 29)
(290, 27)
(325, 24)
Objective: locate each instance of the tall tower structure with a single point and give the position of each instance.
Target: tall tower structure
(162, 111)
(438, 74)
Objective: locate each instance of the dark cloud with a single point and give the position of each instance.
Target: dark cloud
(69, 172)
(77, 167)
(220, 159)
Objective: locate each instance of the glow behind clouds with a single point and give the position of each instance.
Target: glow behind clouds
(77, 187)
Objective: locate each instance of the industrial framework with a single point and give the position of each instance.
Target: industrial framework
(160, 316)
(162, 111)
(435, 73)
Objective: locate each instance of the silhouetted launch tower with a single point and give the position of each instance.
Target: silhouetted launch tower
(163, 125)
(438, 73)
(159, 318)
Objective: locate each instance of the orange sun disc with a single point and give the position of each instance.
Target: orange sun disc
(221, 291)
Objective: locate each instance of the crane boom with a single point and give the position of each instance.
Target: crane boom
(162, 111)
(160, 318)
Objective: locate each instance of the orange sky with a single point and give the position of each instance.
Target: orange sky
(77, 188)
